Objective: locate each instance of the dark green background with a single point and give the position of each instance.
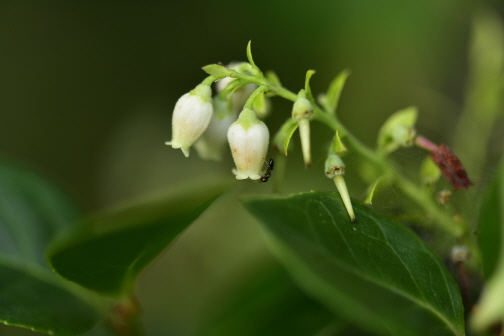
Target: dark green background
(87, 90)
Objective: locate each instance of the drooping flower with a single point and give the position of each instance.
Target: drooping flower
(191, 117)
(248, 138)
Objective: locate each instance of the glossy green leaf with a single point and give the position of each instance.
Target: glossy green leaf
(108, 251)
(375, 272)
(266, 302)
(32, 212)
(491, 237)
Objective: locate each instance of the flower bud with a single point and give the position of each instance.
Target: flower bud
(191, 117)
(398, 130)
(211, 144)
(248, 138)
(302, 111)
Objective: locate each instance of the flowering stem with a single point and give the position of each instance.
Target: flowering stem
(417, 194)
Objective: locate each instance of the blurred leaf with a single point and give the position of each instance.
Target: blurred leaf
(108, 251)
(374, 272)
(491, 221)
(31, 212)
(334, 91)
(429, 171)
(484, 99)
(268, 303)
(491, 236)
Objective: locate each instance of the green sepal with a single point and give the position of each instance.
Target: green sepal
(284, 134)
(249, 57)
(371, 190)
(332, 96)
(261, 105)
(309, 94)
(429, 171)
(338, 145)
(218, 71)
(398, 130)
(272, 77)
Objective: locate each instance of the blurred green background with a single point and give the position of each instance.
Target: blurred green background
(87, 90)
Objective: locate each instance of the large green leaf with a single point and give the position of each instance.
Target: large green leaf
(374, 272)
(108, 251)
(32, 212)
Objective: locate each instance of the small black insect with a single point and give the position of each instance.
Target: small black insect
(267, 174)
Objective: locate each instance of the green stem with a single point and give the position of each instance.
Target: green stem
(414, 192)
(253, 96)
(278, 90)
(209, 80)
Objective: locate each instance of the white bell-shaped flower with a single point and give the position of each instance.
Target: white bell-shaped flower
(191, 117)
(248, 138)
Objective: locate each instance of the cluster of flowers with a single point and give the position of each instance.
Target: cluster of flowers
(203, 121)
(234, 114)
